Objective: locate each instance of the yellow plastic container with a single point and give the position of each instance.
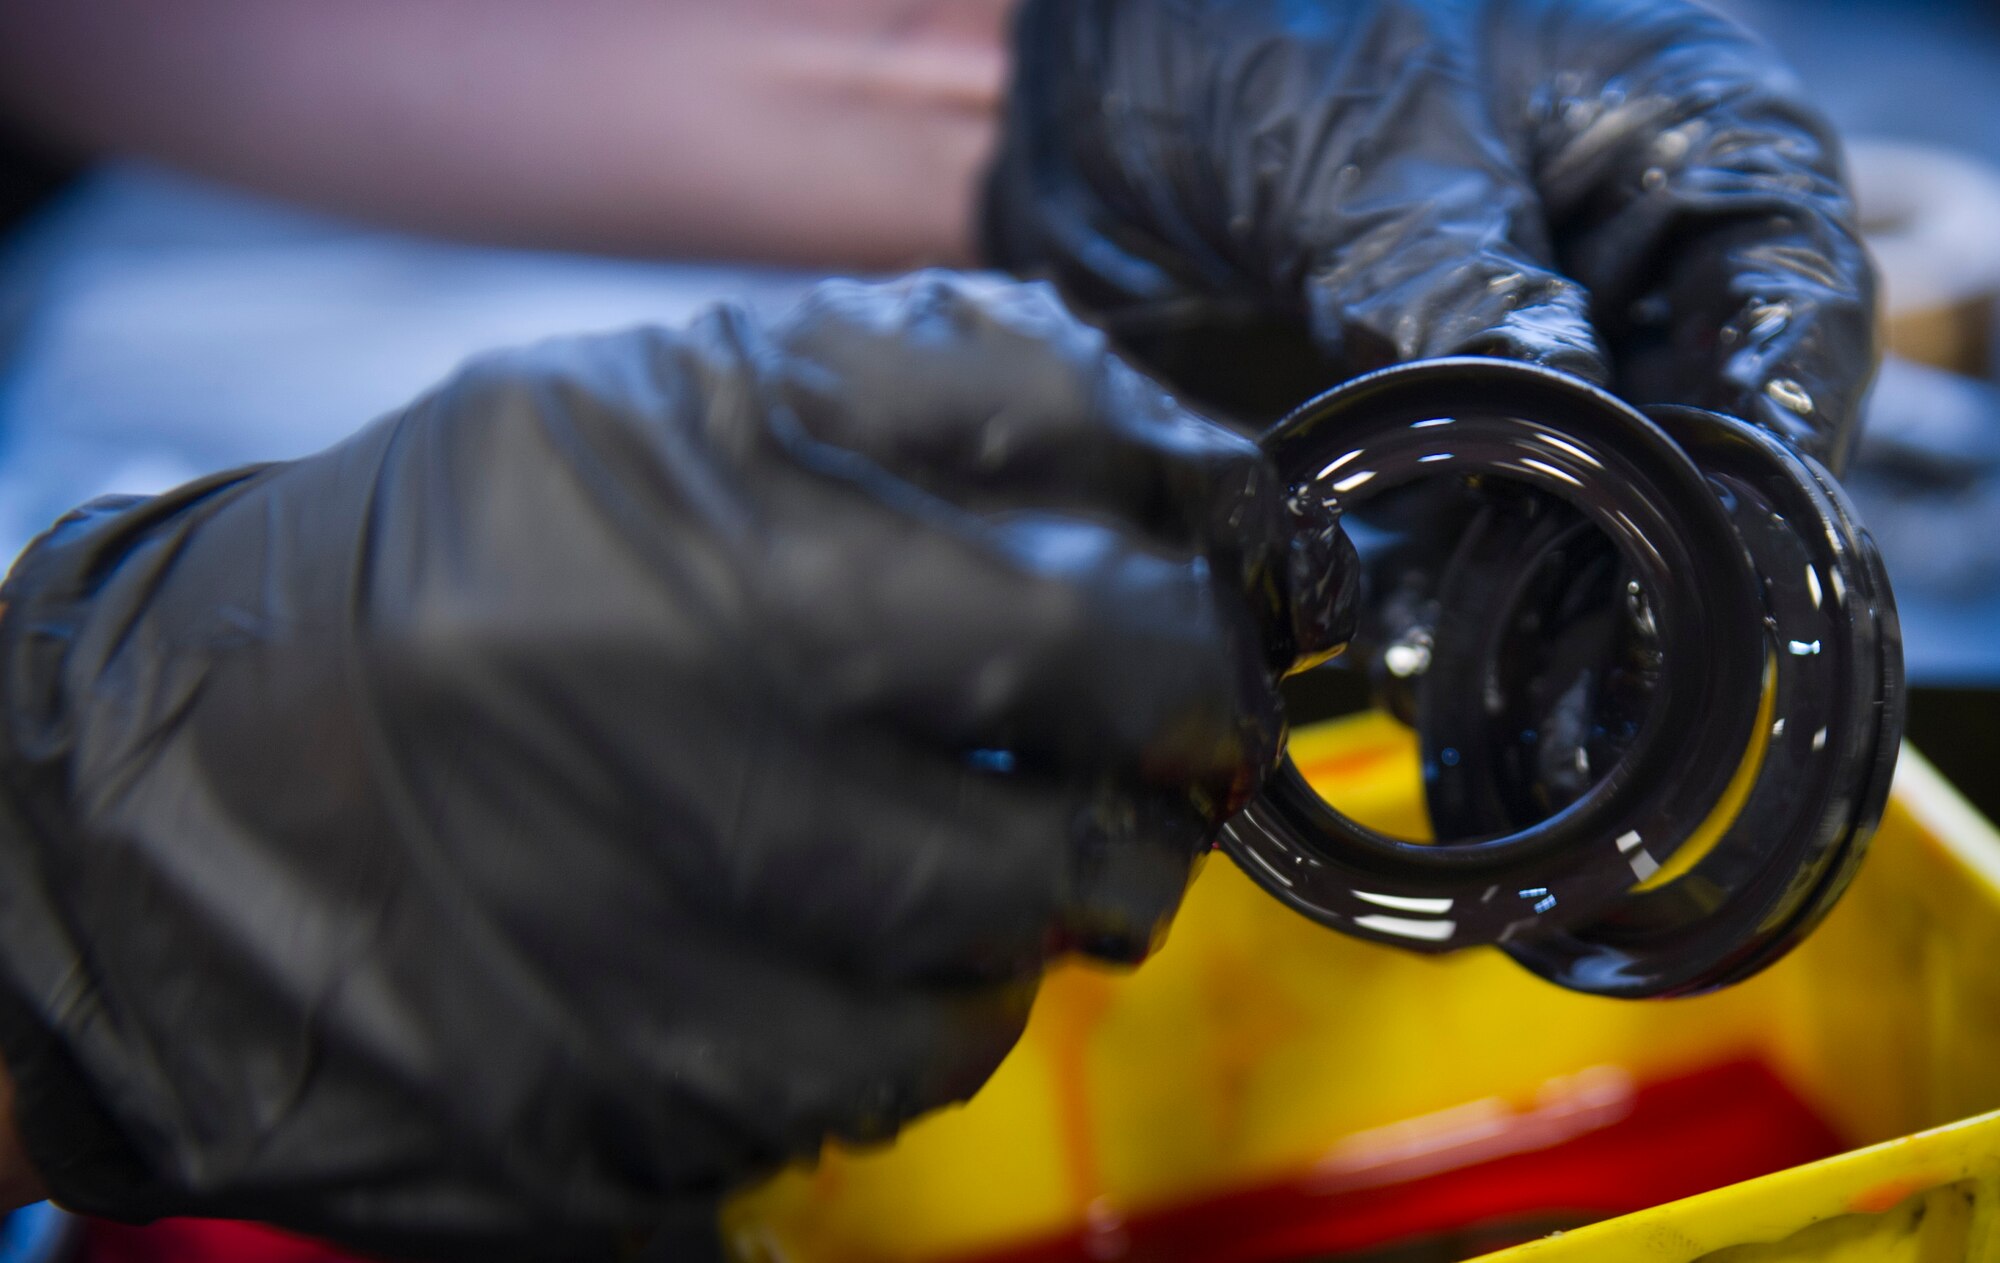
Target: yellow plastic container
(1260, 1050)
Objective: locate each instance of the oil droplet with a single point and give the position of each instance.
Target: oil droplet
(1768, 319)
(1790, 396)
(1410, 655)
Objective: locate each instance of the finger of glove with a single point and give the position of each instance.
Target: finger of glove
(1131, 865)
(991, 395)
(765, 1056)
(858, 1063)
(895, 863)
(1068, 643)
(891, 862)
(1703, 202)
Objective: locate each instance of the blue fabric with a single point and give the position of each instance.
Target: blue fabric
(40, 1233)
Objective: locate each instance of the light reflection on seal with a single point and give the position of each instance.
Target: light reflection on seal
(1725, 533)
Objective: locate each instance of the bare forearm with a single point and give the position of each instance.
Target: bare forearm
(842, 131)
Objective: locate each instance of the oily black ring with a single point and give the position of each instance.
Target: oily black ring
(1546, 888)
(1835, 727)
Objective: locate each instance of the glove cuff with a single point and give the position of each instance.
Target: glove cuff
(1004, 213)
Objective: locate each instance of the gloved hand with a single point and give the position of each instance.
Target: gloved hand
(1632, 190)
(640, 759)
(1261, 198)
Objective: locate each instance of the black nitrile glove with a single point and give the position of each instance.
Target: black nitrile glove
(1261, 198)
(1632, 190)
(639, 760)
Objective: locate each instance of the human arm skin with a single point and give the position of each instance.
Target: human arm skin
(847, 132)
